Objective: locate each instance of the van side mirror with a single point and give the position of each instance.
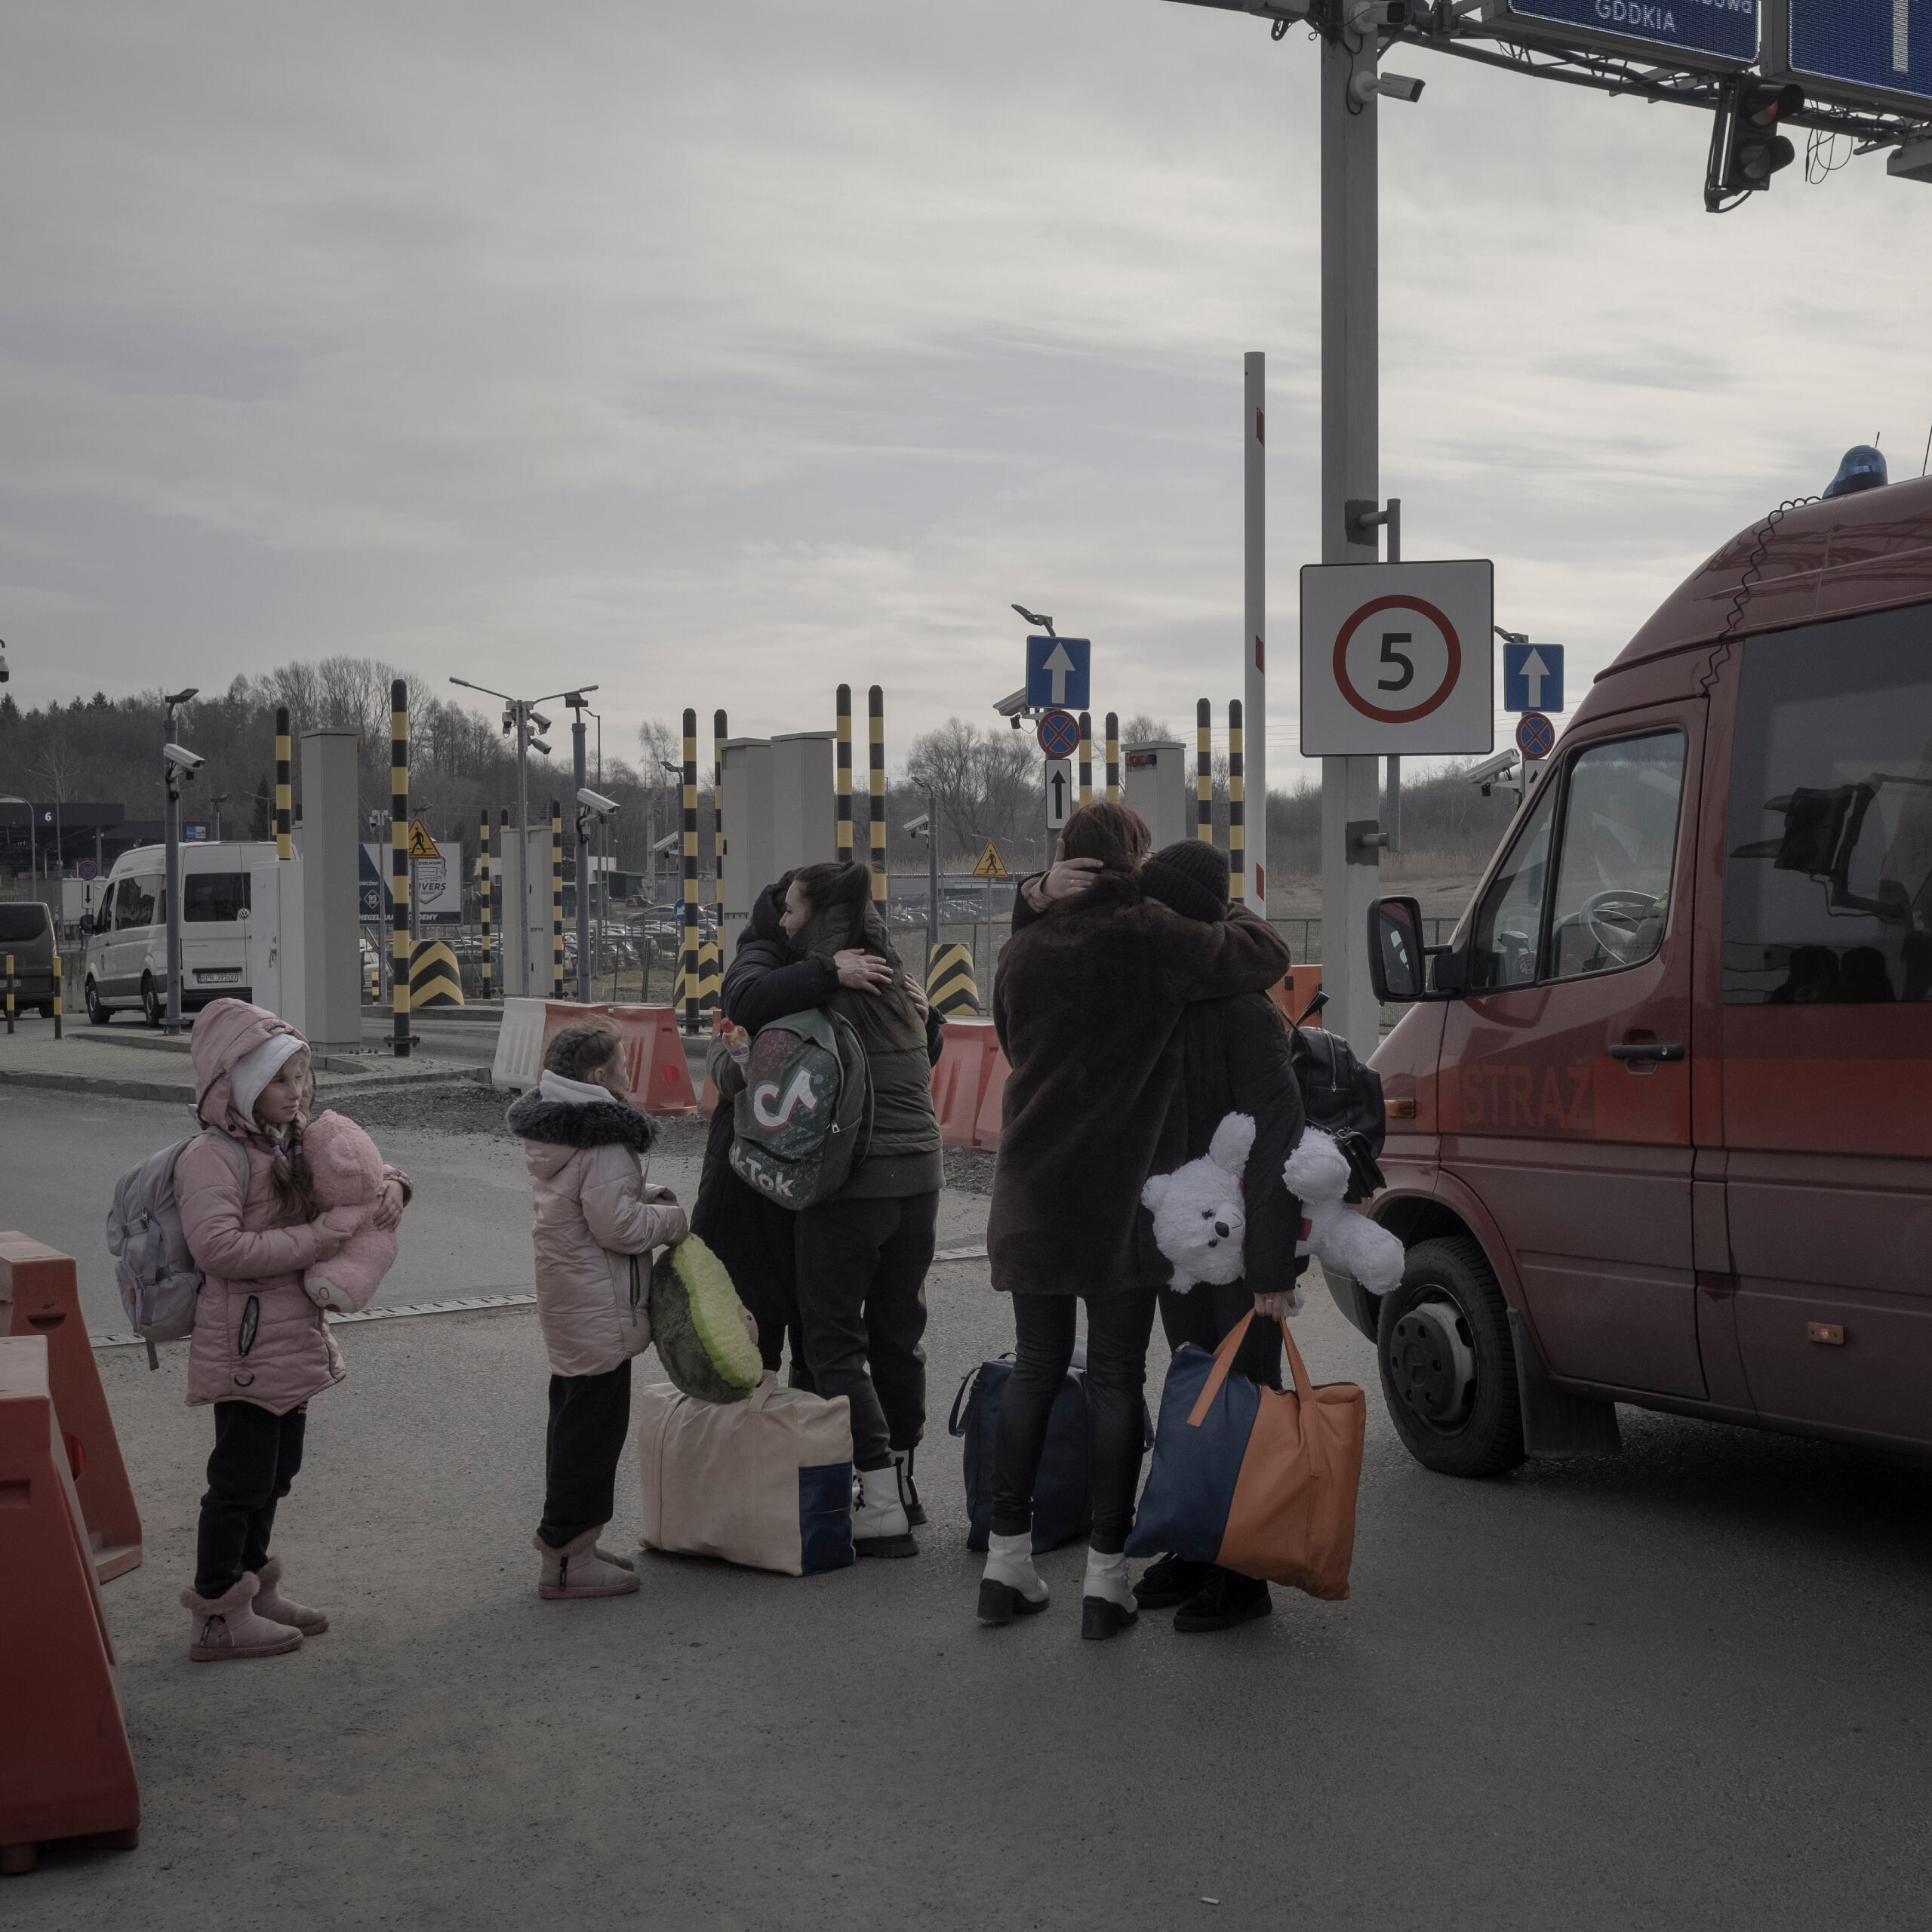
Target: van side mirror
(1396, 963)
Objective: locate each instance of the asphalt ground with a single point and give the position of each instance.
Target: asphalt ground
(1686, 1687)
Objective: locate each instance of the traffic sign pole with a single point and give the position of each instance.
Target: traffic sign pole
(1351, 869)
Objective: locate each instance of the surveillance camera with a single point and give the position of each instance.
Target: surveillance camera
(595, 801)
(1367, 84)
(538, 745)
(184, 760)
(916, 827)
(1013, 704)
(1492, 768)
(1363, 14)
(542, 723)
(669, 842)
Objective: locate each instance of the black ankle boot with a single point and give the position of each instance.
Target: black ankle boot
(1224, 1600)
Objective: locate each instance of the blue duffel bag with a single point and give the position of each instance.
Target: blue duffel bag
(1063, 1491)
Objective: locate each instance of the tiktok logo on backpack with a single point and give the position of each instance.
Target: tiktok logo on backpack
(798, 1094)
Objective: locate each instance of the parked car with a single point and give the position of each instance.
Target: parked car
(124, 964)
(1659, 1126)
(26, 932)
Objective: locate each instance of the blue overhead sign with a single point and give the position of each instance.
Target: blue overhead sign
(1533, 677)
(1723, 30)
(1867, 47)
(1057, 669)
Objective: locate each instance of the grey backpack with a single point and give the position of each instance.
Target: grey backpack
(157, 1275)
(804, 1119)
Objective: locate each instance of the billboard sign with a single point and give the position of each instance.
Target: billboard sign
(1720, 33)
(438, 886)
(1861, 53)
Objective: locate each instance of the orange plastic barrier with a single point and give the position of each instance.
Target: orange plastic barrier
(654, 1063)
(66, 1771)
(39, 1283)
(1293, 993)
(959, 1079)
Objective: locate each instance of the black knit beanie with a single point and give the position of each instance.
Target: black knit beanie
(1192, 877)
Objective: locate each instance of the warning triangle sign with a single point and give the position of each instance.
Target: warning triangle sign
(991, 865)
(421, 845)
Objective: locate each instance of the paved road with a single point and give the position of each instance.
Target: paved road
(1687, 1687)
(474, 1041)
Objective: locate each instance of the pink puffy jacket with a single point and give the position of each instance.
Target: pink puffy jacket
(594, 1229)
(233, 1234)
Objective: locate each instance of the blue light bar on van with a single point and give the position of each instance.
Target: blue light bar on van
(1864, 469)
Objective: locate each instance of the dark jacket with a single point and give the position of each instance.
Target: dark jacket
(1234, 1060)
(903, 1156)
(1087, 1006)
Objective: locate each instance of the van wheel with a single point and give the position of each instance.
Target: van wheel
(1448, 1371)
(152, 1003)
(100, 1015)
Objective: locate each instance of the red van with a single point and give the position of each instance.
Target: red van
(1661, 1113)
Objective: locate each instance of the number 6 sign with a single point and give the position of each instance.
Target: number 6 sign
(1396, 659)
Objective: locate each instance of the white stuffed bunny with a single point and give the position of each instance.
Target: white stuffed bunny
(1199, 1220)
(1351, 1243)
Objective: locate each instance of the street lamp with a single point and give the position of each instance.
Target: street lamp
(522, 716)
(178, 765)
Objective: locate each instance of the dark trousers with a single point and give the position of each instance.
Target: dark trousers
(1204, 1316)
(862, 1291)
(590, 1416)
(1118, 1329)
(257, 1456)
(756, 1240)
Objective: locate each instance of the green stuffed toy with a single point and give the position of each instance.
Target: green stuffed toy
(698, 1325)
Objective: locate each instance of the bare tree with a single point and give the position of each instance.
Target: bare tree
(1143, 729)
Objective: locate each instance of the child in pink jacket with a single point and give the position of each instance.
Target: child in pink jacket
(260, 1347)
(596, 1220)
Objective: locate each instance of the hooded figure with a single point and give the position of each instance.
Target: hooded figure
(251, 1256)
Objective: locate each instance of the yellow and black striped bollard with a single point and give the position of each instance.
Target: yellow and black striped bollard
(58, 981)
(399, 861)
(1086, 757)
(876, 709)
(483, 893)
(688, 952)
(719, 728)
(1113, 755)
(556, 899)
(284, 846)
(1237, 809)
(949, 981)
(10, 993)
(1203, 771)
(842, 780)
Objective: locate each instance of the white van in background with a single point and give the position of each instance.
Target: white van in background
(125, 963)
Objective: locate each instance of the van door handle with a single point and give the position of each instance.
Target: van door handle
(1647, 1050)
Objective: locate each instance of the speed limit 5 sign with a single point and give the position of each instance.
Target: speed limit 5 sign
(1396, 658)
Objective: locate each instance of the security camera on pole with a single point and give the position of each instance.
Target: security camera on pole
(521, 716)
(179, 765)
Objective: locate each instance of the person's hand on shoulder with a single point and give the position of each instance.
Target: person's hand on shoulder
(862, 972)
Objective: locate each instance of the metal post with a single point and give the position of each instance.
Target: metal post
(1204, 771)
(842, 780)
(58, 970)
(527, 973)
(483, 891)
(399, 892)
(720, 731)
(691, 873)
(1237, 808)
(875, 722)
(1254, 578)
(283, 848)
(10, 993)
(1350, 324)
(1392, 840)
(172, 1021)
(580, 777)
(1086, 757)
(556, 899)
(1113, 755)
(932, 883)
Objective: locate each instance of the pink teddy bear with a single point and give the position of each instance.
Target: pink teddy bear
(349, 1181)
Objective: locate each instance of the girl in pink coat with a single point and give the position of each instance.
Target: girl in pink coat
(260, 1348)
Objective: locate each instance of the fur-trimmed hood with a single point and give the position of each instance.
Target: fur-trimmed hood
(568, 1124)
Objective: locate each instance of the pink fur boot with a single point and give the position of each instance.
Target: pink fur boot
(270, 1602)
(580, 1569)
(228, 1626)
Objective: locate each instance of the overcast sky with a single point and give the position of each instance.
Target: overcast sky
(716, 354)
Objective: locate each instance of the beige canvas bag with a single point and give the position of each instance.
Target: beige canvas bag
(766, 1482)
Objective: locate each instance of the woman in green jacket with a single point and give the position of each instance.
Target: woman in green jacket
(862, 1254)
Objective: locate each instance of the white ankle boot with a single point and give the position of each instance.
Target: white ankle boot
(1107, 1605)
(580, 1569)
(1011, 1587)
(879, 1528)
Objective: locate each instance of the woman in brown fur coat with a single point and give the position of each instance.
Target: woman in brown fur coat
(1087, 1007)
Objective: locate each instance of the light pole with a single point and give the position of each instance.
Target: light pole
(178, 764)
(522, 716)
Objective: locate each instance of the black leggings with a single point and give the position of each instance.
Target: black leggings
(257, 1455)
(1117, 1328)
(590, 1417)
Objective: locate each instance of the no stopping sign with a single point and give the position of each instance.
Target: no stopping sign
(1397, 658)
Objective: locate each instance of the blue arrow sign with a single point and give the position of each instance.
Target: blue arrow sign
(1057, 669)
(1878, 46)
(1727, 29)
(1533, 677)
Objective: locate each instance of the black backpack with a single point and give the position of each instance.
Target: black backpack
(804, 1119)
(1343, 1098)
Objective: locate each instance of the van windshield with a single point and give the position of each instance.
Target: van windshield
(19, 922)
(208, 897)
